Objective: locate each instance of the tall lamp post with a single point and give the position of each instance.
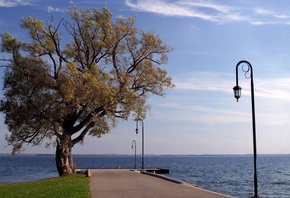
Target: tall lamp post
(134, 141)
(237, 93)
(142, 123)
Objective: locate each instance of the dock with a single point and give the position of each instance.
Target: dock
(125, 183)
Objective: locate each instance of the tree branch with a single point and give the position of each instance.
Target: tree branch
(87, 119)
(83, 133)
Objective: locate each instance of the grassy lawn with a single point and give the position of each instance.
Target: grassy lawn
(74, 185)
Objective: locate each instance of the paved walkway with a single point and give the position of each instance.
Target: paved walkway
(123, 183)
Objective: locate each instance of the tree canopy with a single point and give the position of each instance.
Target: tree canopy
(74, 77)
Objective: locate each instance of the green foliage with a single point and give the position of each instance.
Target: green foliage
(73, 185)
(105, 70)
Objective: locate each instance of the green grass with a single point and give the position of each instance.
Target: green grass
(73, 185)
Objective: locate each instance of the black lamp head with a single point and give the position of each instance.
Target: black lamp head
(237, 92)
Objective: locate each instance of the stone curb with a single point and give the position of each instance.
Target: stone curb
(163, 177)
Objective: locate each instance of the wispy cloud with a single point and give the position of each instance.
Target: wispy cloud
(207, 5)
(271, 13)
(13, 3)
(266, 16)
(210, 11)
(207, 97)
(275, 88)
(209, 115)
(54, 9)
(207, 81)
(78, 1)
(179, 8)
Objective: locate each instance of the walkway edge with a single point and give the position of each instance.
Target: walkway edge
(182, 182)
(163, 177)
(205, 190)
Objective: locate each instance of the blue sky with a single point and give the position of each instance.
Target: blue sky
(200, 115)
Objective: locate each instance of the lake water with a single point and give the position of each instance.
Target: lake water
(232, 175)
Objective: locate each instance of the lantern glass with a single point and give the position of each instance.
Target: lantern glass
(237, 92)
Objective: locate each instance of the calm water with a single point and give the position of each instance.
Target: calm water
(232, 175)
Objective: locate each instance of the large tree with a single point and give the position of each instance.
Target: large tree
(76, 77)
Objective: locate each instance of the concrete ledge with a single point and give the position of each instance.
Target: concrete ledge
(153, 170)
(163, 177)
(157, 170)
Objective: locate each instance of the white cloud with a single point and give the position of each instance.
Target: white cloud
(13, 3)
(278, 15)
(79, 2)
(275, 88)
(178, 8)
(53, 9)
(207, 81)
(278, 88)
(210, 11)
(209, 111)
(208, 4)
(207, 98)
(169, 105)
(161, 7)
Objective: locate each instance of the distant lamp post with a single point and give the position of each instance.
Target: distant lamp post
(237, 93)
(134, 142)
(142, 123)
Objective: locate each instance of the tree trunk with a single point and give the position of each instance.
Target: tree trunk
(63, 155)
